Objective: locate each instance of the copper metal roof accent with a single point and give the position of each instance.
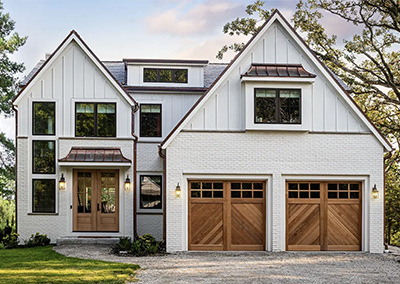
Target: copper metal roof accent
(165, 61)
(165, 89)
(96, 155)
(277, 70)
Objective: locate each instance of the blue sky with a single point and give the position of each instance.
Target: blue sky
(116, 29)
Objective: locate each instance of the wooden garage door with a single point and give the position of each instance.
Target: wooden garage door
(226, 215)
(323, 216)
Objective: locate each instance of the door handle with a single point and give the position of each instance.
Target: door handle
(98, 207)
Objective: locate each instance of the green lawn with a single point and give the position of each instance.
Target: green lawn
(43, 265)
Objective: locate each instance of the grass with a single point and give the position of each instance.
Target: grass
(43, 265)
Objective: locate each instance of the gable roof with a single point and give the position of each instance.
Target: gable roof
(42, 67)
(277, 16)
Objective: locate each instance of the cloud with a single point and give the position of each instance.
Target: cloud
(197, 20)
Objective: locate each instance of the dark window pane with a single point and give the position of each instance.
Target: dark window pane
(44, 195)
(314, 194)
(218, 185)
(332, 186)
(150, 75)
(314, 186)
(303, 194)
(207, 185)
(150, 192)
(258, 185)
(165, 75)
(289, 106)
(246, 194)
(44, 157)
(235, 185)
(207, 194)
(246, 185)
(303, 186)
(218, 194)
(106, 119)
(332, 194)
(293, 194)
(258, 194)
(343, 186)
(44, 116)
(150, 120)
(84, 192)
(354, 195)
(180, 75)
(354, 186)
(195, 185)
(292, 186)
(235, 194)
(108, 186)
(343, 195)
(85, 116)
(265, 106)
(195, 194)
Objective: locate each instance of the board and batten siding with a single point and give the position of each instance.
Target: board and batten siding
(71, 78)
(226, 109)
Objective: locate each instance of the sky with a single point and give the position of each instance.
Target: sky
(116, 29)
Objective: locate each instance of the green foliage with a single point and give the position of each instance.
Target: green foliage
(37, 240)
(8, 238)
(124, 244)
(43, 265)
(392, 202)
(144, 245)
(7, 213)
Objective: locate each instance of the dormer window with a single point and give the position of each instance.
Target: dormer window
(280, 106)
(158, 75)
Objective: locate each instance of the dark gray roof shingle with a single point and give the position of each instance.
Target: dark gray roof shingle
(212, 71)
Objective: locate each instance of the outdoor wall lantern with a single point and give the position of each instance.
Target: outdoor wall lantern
(178, 190)
(375, 192)
(127, 183)
(61, 183)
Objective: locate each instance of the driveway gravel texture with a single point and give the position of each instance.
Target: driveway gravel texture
(253, 267)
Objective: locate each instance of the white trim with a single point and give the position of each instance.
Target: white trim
(277, 79)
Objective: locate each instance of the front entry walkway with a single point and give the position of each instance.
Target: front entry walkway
(253, 267)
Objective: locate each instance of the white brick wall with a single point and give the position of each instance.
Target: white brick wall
(150, 224)
(277, 154)
(148, 159)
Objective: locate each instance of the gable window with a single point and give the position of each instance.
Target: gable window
(150, 120)
(44, 195)
(165, 75)
(95, 119)
(44, 154)
(44, 118)
(280, 106)
(150, 192)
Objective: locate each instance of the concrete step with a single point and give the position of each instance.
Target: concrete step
(86, 241)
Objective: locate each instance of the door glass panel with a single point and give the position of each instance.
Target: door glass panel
(84, 192)
(108, 187)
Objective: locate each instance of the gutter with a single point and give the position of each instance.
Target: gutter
(135, 234)
(16, 168)
(384, 198)
(165, 190)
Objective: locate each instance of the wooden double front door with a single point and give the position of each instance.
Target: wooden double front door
(226, 215)
(96, 201)
(323, 216)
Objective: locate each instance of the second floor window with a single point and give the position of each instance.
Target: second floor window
(150, 120)
(95, 120)
(44, 157)
(44, 118)
(165, 75)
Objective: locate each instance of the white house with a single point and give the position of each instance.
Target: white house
(267, 153)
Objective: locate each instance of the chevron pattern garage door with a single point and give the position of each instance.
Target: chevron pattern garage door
(226, 215)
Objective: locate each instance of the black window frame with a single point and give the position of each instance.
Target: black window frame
(173, 70)
(33, 157)
(95, 118)
(277, 106)
(33, 118)
(140, 121)
(140, 192)
(33, 195)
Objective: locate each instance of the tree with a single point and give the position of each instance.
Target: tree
(10, 42)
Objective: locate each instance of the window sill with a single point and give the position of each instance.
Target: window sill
(42, 214)
(153, 212)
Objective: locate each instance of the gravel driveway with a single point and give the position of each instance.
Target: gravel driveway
(253, 267)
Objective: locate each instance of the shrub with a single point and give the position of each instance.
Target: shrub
(37, 240)
(144, 245)
(8, 238)
(124, 244)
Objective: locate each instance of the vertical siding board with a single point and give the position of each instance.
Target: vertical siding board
(282, 42)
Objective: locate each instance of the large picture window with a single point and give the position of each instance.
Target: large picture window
(44, 195)
(44, 154)
(278, 106)
(165, 75)
(150, 120)
(44, 118)
(150, 192)
(95, 120)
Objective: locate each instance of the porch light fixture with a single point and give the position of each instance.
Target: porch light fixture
(375, 192)
(127, 183)
(178, 190)
(61, 183)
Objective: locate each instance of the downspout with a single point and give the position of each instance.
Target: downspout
(165, 191)
(384, 198)
(16, 168)
(135, 234)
